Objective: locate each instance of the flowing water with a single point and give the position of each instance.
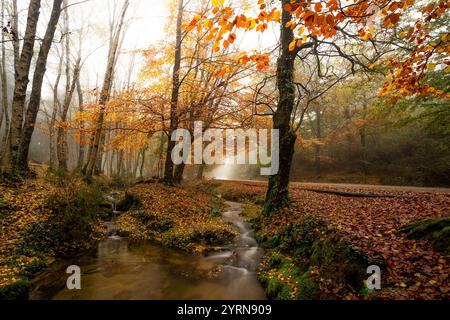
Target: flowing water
(121, 269)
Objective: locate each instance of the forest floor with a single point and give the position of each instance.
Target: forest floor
(411, 268)
(50, 218)
(44, 219)
(186, 218)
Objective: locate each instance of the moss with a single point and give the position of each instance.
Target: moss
(212, 235)
(284, 280)
(437, 231)
(251, 212)
(296, 237)
(295, 248)
(308, 289)
(35, 267)
(176, 239)
(71, 226)
(338, 260)
(216, 206)
(16, 291)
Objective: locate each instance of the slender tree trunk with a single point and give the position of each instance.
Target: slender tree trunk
(5, 102)
(317, 160)
(81, 124)
(178, 175)
(141, 168)
(56, 107)
(21, 84)
(119, 162)
(159, 169)
(61, 145)
(15, 40)
(96, 138)
(168, 169)
(277, 193)
(348, 119)
(363, 135)
(38, 77)
(200, 172)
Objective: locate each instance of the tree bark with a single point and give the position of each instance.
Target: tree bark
(21, 84)
(317, 160)
(141, 168)
(178, 175)
(56, 107)
(277, 193)
(5, 102)
(363, 136)
(201, 170)
(80, 109)
(38, 77)
(15, 32)
(61, 145)
(168, 168)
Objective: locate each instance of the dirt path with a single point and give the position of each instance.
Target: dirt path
(356, 186)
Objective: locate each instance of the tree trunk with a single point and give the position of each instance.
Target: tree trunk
(178, 175)
(363, 135)
(277, 193)
(348, 135)
(80, 109)
(38, 77)
(21, 84)
(317, 161)
(168, 168)
(200, 172)
(95, 142)
(5, 102)
(141, 169)
(15, 31)
(61, 145)
(56, 107)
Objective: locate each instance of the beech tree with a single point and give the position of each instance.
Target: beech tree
(20, 86)
(322, 28)
(38, 77)
(94, 154)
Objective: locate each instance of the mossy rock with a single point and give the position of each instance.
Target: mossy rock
(300, 286)
(16, 291)
(309, 243)
(437, 231)
(338, 260)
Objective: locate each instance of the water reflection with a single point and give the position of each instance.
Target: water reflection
(121, 269)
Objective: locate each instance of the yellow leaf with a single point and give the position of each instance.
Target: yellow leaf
(431, 66)
(217, 3)
(292, 45)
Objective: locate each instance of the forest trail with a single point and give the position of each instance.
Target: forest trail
(354, 186)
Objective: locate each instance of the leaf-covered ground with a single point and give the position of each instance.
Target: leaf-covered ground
(40, 221)
(413, 269)
(21, 209)
(187, 218)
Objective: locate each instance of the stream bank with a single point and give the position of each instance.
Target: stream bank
(121, 268)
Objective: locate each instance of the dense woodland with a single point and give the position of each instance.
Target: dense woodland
(117, 124)
(359, 91)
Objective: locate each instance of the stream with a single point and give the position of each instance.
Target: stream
(126, 270)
